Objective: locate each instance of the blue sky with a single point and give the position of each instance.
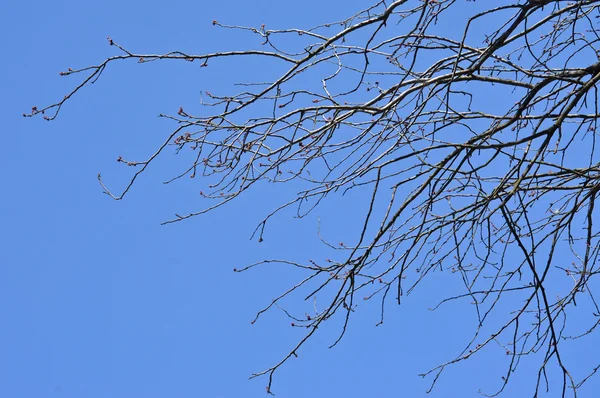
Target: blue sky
(98, 299)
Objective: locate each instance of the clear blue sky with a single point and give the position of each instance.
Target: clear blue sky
(98, 300)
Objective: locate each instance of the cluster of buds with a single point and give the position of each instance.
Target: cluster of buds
(68, 72)
(121, 160)
(182, 138)
(35, 111)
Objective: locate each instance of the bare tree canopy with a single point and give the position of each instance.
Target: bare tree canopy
(470, 126)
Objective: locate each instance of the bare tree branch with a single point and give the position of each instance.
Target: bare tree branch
(477, 152)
